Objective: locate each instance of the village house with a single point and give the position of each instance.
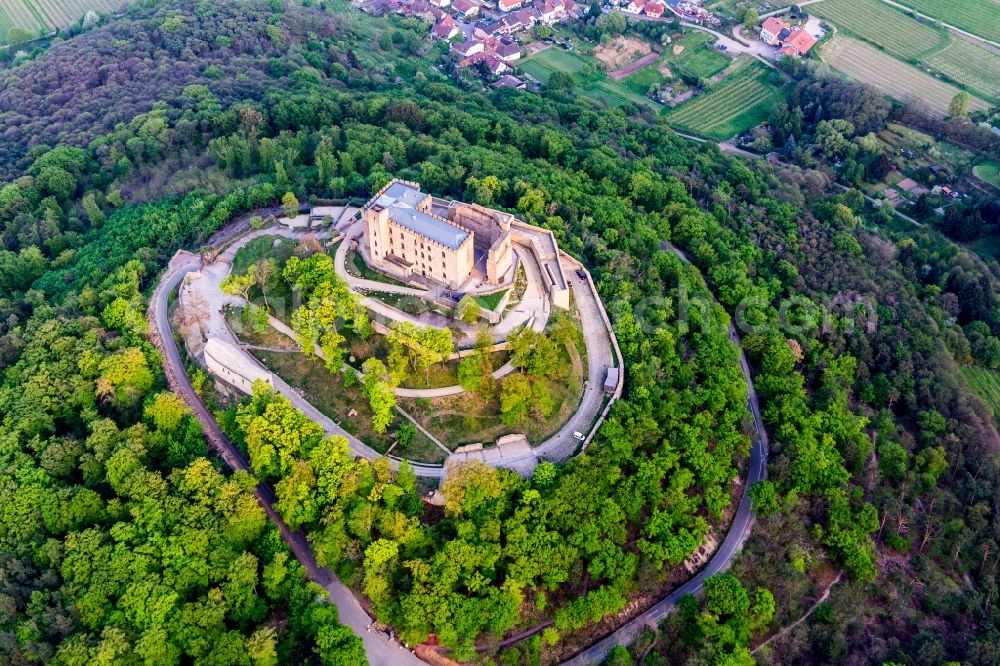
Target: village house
(507, 49)
(634, 6)
(793, 42)
(445, 28)
(770, 29)
(799, 41)
(468, 48)
(654, 9)
(527, 17)
(508, 5)
(546, 11)
(509, 81)
(466, 8)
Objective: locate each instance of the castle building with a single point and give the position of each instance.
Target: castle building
(411, 234)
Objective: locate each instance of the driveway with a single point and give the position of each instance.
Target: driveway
(600, 356)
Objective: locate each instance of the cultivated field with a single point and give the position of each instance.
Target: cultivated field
(613, 93)
(970, 65)
(980, 17)
(741, 101)
(545, 63)
(46, 15)
(882, 25)
(873, 67)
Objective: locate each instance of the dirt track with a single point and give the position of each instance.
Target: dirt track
(620, 74)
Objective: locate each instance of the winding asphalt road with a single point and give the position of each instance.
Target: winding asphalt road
(379, 648)
(738, 533)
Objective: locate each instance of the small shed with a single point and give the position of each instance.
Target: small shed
(611, 380)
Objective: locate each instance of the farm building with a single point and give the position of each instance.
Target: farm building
(792, 41)
(770, 30)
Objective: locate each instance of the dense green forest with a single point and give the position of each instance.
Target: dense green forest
(121, 543)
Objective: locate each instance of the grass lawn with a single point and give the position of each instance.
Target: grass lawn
(986, 384)
(741, 101)
(357, 267)
(703, 62)
(697, 59)
(986, 246)
(989, 172)
(490, 301)
(554, 59)
(327, 392)
(467, 419)
(413, 305)
(278, 248)
(591, 83)
(641, 81)
(445, 374)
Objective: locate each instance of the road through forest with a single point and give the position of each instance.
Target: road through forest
(738, 533)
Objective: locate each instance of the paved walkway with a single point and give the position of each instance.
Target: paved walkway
(353, 232)
(215, 325)
(600, 356)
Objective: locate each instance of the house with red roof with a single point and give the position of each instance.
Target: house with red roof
(493, 64)
(526, 17)
(465, 8)
(634, 7)
(654, 9)
(799, 40)
(508, 5)
(445, 28)
(771, 29)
